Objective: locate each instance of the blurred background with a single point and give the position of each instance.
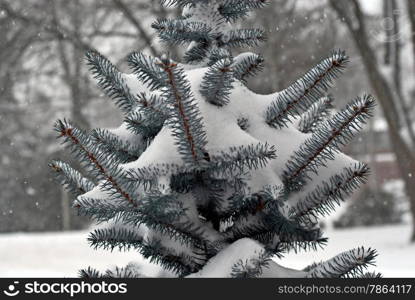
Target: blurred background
(43, 76)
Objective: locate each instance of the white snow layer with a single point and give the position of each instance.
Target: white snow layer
(220, 266)
(223, 132)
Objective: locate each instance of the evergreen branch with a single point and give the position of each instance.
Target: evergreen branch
(229, 9)
(316, 114)
(252, 268)
(181, 3)
(217, 83)
(158, 212)
(328, 138)
(103, 210)
(244, 38)
(348, 264)
(111, 81)
(210, 196)
(110, 238)
(240, 206)
(146, 125)
(90, 273)
(209, 193)
(193, 233)
(305, 91)
(71, 179)
(129, 271)
(276, 225)
(149, 117)
(162, 213)
(146, 177)
(179, 263)
(148, 70)
(247, 65)
(280, 245)
(158, 209)
(270, 222)
(184, 182)
(249, 4)
(153, 248)
(371, 275)
(196, 53)
(178, 32)
(323, 198)
(248, 213)
(298, 246)
(240, 229)
(232, 10)
(272, 239)
(243, 123)
(185, 118)
(113, 145)
(82, 145)
(242, 157)
(78, 141)
(151, 104)
(218, 54)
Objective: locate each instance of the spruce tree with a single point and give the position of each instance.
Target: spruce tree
(206, 177)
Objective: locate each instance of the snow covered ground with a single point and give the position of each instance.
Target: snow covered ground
(63, 254)
(396, 255)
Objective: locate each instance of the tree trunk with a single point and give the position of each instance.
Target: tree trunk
(397, 69)
(65, 209)
(413, 229)
(413, 222)
(388, 32)
(404, 156)
(411, 9)
(407, 169)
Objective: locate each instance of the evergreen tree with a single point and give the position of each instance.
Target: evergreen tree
(205, 177)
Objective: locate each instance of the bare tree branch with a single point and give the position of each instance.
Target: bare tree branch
(59, 31)
(143, 33)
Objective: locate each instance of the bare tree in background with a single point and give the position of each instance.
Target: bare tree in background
(53, 36)
(387, 86)
(411, 13)
(285, 54)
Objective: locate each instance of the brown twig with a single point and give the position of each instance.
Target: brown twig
(179, 104)
(68, 132)
(335, 133)
(335, 63)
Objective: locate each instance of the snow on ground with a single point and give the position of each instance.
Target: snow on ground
(396, 255)
(57, 255)
(63, 254)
